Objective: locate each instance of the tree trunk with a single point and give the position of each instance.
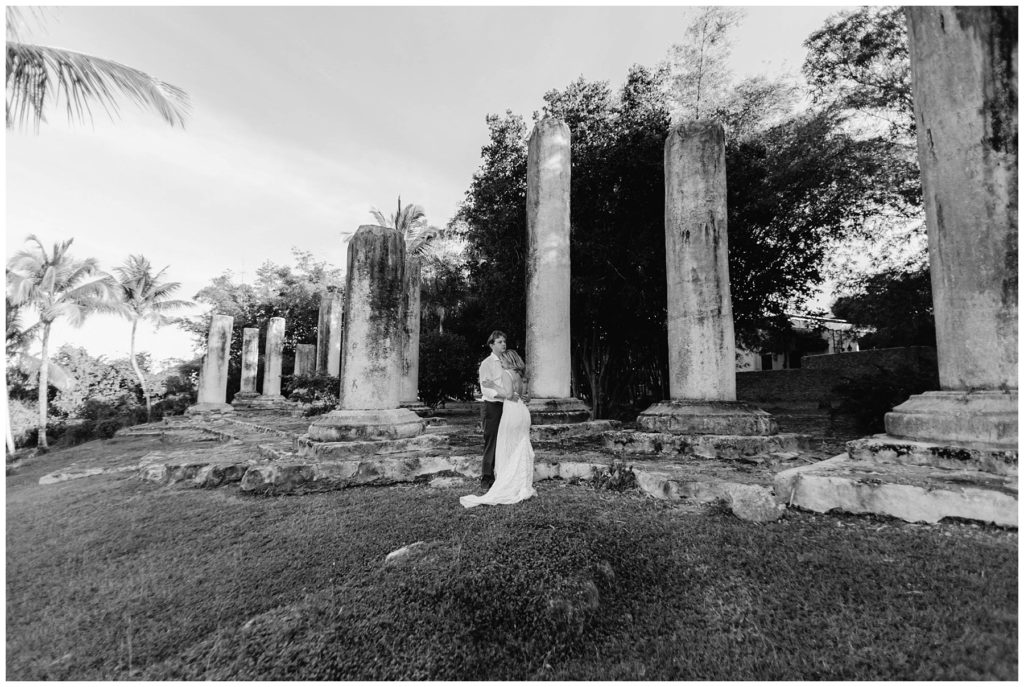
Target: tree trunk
(44, 385)
(11, 448)
(138, 373)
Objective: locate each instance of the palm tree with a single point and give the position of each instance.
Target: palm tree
(144, 297)
(37, 74)
(411, 220)
(56, 285)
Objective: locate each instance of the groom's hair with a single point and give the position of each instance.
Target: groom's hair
(496, 334)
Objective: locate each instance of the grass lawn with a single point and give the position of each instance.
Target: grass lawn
(112, 578)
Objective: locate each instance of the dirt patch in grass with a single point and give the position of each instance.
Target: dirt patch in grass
(112, 578)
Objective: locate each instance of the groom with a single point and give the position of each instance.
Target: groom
(490, 370)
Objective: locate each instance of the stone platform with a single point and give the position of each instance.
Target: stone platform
(911, 480)
(574, 430)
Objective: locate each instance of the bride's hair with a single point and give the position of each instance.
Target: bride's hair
(510, 360)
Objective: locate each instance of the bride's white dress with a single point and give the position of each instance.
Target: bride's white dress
(513, 460)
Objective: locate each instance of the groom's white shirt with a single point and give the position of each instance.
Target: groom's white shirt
(490, 369)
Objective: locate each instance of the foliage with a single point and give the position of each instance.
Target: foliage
(868, 398)
(24, 418)
(448, 368)
(320, 391)
(617, 477)
(112, 384)
(411, 221)
(897, 303)
(56, 285)
(37, 75)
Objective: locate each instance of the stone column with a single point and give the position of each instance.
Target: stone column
(250, 364)
(964, 73)
(329, 333)
(410, 384)
(272, 359)
(701, 341)
(548, 352)
(213, 386)
(305, 355)
(371, 357)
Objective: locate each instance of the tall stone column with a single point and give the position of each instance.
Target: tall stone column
(964, 74)
(329, 333)
(272, 359)
(371, 357)
(410, 384)
(250, 365)
(213, 378)
(548, 349)
(701, 341)
(305, 358)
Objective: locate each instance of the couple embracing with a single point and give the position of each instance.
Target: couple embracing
(508, 454)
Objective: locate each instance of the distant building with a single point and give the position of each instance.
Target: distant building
(811, 335)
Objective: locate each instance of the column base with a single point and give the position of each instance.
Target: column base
(244, 398)
(206, 410)
(730, 418)
(957, 417)
(557, 411)
(419, 408)
(260, 402)
(366, 425)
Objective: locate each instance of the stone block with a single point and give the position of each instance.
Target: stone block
(301, 476)
(365, 425)
(560, 432)
(702, 445)
(985, 417)
(707, 417)
(755, 504)
(915, 493)
(423, 444)
(557, 411)
(882, 448)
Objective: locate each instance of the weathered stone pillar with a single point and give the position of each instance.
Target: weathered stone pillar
(548, 348)
(213, 387)
(410, 383)
(272, 359)
(250, 365)
(305, 357)
(329, 333)
(701, 341)
(371, 357)
(964, 73)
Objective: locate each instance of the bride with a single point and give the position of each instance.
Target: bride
(513, 455)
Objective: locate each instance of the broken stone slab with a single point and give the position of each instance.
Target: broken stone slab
(702, 489)
(915, 493)
(209, 412)
(559, 432)
(398, 554)
(299, 476)
(702, 445)
(68, 474)
(755, 504)
(422, 445)
(882, 448)
(198, 474)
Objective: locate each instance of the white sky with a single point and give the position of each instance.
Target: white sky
(305, 118)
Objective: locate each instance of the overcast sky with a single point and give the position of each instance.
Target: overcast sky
(305, 118)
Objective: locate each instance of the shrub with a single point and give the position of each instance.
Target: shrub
(618, 477)
(24, 418)
(448, 368)
(320, 391)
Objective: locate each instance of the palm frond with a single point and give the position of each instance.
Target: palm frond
(57, 375)
(37, 74)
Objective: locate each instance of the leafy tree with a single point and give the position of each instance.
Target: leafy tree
(143, 296)
(860, 62)
(110, 385)
(897, 302)
(698, 73)
(37, 75)
(56, 285)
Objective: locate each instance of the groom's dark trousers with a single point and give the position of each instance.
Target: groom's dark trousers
(492, 418)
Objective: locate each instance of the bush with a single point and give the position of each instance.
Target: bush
(448, 368)
(320, 391)
(869, 398)
(617, 477)
(24, 418)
